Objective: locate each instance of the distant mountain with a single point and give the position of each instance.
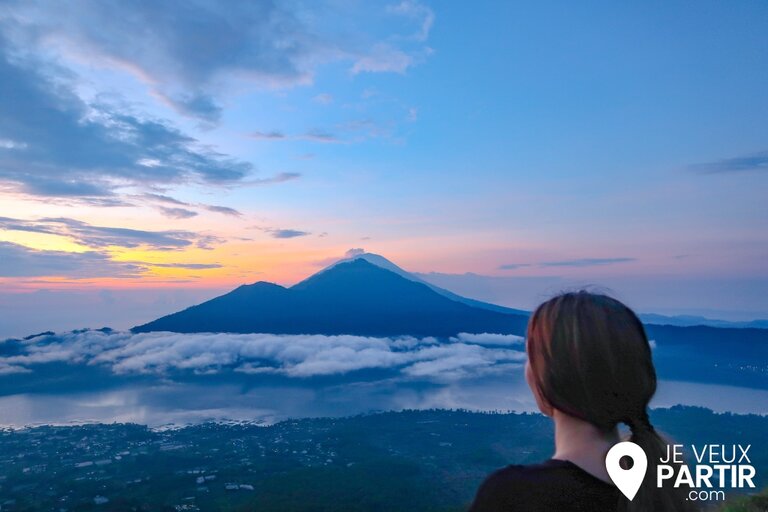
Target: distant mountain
(693, 320)
(350, 297)
(647, 318)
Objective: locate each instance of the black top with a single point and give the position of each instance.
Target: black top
(553, 485)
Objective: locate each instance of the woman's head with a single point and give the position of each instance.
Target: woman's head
(589, 357)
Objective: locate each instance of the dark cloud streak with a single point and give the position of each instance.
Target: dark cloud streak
(20, 261)
(754, 162)
(178, 213)
(586, 262)
(104, 236)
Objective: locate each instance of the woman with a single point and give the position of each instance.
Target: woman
(590, 369)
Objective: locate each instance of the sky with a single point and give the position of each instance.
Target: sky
(156, 154)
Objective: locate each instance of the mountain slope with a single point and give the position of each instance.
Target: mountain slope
(382, 262)
(352, 297)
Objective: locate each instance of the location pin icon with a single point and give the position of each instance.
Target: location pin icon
(627, 480)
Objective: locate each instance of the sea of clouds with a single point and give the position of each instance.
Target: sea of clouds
(294, 356)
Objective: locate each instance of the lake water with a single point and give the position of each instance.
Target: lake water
(172, 403)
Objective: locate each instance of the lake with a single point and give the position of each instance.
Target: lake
(174, 403)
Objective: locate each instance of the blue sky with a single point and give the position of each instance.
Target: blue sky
(511, 148)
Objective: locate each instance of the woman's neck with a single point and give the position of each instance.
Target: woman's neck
(583, 444)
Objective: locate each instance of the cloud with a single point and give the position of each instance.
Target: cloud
(185, 49)
(351, 253)
(189, 53)
(513, 266)
(355, 130)
(200, 105)
(296, 356)
(586, 262)
(754, 162)
(273, 135)
(76, 149)
(282, 233)
(163, 199)
(287, 233)
(490, 339)
(417, 12)
(321, 136)
(20, 261)
(177, 213)
(226, 210)
(323, 99)
(6, 369)
(183, 213)
(316, 135)
(100, 237)
(278, 178)
(384, 58)
(580, 262)
(189, 266)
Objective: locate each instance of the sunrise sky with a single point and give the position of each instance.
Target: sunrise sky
(153, 154)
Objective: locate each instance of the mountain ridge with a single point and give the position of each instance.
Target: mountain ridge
(351, 297)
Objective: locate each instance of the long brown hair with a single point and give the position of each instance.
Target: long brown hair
(591, 359)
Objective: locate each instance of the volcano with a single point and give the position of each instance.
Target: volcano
(366, 295)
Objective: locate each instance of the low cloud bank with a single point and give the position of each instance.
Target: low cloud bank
(299, 356)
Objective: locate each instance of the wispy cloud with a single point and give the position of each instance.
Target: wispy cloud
(321, 136)
(282, 233)
(315, 135)
(163, 199)
(513, 266)
(418, 13)
(586, 262)
(20, 261)
(226, 210)
(278, 178)
(347, 132)
(323, 99)
(384, 58)
(183, 213)
(579, 262)
(754, 162)
(297, 356)
(104, 236)
(272, 135)
(177, 213)
(288, 233)
(188, 266)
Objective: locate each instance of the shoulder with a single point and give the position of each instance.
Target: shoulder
(550, 485)
(509, 485)
(509, 477)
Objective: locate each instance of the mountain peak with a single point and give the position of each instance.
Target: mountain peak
(384, 263)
